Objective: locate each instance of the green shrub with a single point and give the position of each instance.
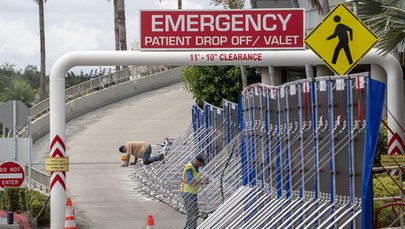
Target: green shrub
(21, 199)
(44, 218)
(382, 144)
(386, 187)
(32, 196)
(34, 201)
(11, 198)
(35, 208)
(1, 200)
(27, 202)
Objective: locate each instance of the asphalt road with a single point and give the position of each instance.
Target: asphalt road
(105, 195)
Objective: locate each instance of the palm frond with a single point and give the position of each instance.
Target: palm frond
(316, 5)
(387, 20)
(230, 4)
(369, 8)
(390, 40)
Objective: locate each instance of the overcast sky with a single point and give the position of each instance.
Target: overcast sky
(70, 25)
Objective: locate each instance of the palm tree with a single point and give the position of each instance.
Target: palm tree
(19, 89)
(42, 87)
(120, 27)
(120, 30)
(230, 4)
(322, 6)
(116, 30)
(387, 19)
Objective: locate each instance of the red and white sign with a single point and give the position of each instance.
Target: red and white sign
(11, 174)
(222, 29)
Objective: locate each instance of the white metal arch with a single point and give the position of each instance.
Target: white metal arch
(391, 66)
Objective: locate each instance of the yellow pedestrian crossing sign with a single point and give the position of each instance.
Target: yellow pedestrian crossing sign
(341, 40)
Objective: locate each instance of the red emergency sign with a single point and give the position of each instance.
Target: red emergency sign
(222, 29)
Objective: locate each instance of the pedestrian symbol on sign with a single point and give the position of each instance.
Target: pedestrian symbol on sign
(337, 41)
(343, 32)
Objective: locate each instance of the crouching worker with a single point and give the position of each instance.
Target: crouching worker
(139, 149)
(191, 180)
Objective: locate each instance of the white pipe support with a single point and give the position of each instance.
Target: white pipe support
(394, 96)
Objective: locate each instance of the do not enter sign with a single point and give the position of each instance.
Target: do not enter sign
(11, 174)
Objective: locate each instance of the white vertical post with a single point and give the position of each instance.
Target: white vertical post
(378, 73)
(57, 144)
(15, 129)
(265, 79)
(30, 153)
(395, 105)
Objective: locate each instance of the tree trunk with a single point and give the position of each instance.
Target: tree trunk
(122, 27)
(42, 79)
(243, 75)
(116, 30)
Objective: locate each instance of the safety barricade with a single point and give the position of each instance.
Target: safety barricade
(283, 156)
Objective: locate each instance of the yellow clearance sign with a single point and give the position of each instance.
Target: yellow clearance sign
(341, 40)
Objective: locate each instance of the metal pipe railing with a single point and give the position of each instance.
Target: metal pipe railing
(39, 179)
(100, 82)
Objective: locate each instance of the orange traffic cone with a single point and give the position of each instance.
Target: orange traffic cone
(150, 222)
(70, 222)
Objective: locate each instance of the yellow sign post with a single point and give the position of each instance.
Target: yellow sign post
(341, 40)
(56, 164)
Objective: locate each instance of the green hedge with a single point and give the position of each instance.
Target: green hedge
(1, 200)
(30, 203)
(382, 144)
(386, 187)
(11, 199)
(21, 199)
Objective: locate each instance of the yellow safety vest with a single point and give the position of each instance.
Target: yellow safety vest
(187, 187)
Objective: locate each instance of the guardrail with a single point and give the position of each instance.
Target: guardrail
(39, 179)
(98, 83)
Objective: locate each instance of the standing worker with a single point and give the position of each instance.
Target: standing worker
(189, 187)
(139, 149)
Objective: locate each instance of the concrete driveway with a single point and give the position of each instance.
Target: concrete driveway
(104, 194)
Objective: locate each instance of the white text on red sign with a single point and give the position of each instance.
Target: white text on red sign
(242, 29)
(11, 174)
